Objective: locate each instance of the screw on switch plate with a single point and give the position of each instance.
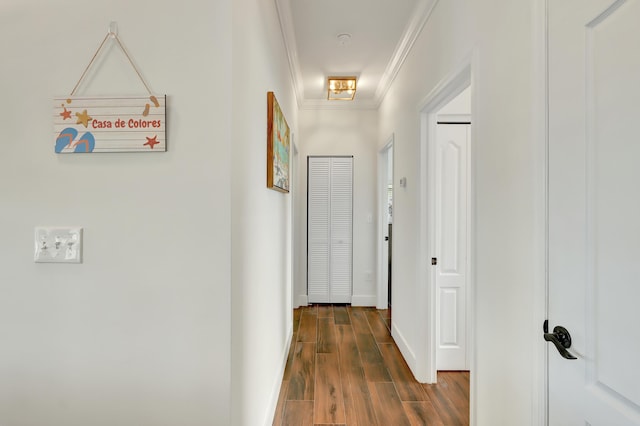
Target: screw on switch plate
(58, 245)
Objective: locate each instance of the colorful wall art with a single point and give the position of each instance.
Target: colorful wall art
(278, 146)
(109, 124)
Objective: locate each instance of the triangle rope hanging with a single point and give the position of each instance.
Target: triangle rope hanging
(110, 123)
(113, 34)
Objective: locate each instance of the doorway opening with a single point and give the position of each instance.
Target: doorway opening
(446, 227)
(385, 225)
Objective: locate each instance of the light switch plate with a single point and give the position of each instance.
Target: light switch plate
(58, 244)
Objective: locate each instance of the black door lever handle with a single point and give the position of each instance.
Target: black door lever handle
(561, 339)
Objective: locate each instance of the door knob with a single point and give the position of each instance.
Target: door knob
(386, 238)
(560, 338)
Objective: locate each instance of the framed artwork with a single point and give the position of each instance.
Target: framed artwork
(278, 146)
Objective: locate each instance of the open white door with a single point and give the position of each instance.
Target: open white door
(452, 147)
(594, 211)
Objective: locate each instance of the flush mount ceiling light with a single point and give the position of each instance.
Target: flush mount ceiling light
(341, 88)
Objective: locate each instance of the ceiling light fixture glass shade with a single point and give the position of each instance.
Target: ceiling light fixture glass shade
(341, 88)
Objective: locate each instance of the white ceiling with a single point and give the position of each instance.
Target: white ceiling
(382, 32)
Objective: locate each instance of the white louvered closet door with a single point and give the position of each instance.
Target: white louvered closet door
(330, 229)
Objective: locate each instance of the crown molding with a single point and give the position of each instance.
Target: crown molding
(419, 18)
(285, 16)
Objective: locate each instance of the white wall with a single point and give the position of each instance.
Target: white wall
(343, 132)
(139, 334)
(261, 219)
(497, 37)
(460, 105)
(442, 46)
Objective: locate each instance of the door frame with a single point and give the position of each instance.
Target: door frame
(445, 91)
(540, 153)
(294, 258)
(383, 267)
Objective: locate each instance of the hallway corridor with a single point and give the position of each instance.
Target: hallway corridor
(345, 369)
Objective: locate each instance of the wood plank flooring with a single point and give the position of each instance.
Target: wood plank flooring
(345, 369)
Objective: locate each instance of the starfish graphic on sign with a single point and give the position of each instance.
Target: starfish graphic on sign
(66, 114)
(83, 118)
(151, 141)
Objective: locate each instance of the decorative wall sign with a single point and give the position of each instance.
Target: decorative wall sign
(109, 123)
(278, 143)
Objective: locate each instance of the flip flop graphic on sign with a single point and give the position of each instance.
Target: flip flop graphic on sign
(66, 139)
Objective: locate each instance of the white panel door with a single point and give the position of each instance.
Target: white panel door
(594, 211)
(452, 146)
(330, 235)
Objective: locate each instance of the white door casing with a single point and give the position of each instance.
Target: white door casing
(594, 210)
(452, 147)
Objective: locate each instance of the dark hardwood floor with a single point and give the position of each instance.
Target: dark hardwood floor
(345, 369)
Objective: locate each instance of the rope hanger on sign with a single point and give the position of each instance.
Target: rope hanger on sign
(113, 34)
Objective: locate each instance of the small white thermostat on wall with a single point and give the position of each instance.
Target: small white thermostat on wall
(58, 245)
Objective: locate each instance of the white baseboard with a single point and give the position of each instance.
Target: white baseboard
(364, 300)
(275, 392)
(405, 349)
(302, 300)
